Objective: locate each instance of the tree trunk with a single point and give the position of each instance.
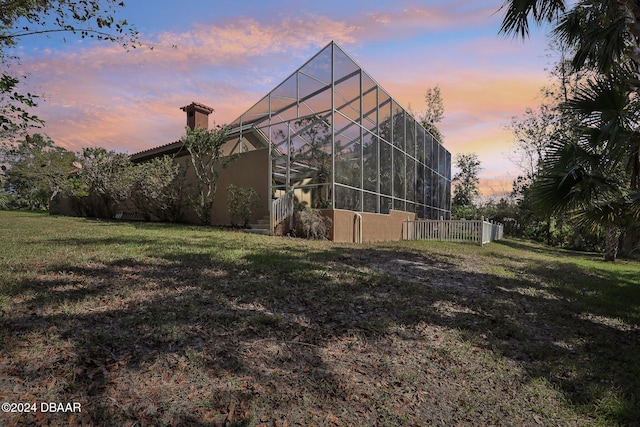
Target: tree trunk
(612, 234)
(628, 241)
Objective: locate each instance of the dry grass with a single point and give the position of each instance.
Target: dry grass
(153, 324)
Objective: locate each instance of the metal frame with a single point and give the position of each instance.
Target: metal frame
(317, 92)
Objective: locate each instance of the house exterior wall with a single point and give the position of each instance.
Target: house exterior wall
(375, 227)
(249, 170)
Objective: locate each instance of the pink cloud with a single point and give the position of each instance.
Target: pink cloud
(129, 101)
(411, 18)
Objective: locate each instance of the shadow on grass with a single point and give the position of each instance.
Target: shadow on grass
(247, 325)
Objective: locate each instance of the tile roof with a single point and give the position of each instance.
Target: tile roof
(198, 105)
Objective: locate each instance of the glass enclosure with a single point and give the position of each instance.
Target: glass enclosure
(340, 141)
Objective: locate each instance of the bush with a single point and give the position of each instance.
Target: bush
(241, 203)
(157, 189)
(311, 224)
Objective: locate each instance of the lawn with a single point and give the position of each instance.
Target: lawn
(154, 324)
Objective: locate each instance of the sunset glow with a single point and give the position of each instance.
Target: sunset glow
(229, 56)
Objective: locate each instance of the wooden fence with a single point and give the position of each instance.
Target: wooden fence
(480, 232)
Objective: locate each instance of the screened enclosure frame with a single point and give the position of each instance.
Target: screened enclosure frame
(340, 141)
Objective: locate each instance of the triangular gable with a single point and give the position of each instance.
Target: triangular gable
(307, 91)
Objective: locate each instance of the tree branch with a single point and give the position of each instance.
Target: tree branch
(72, 30)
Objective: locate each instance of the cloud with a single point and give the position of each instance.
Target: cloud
(99, 95)
(401, 21)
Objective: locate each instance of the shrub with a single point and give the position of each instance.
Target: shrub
(311, 224)
(241, 203)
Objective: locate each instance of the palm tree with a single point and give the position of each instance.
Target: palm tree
(594, 176)
(605, 33)
(583, 176)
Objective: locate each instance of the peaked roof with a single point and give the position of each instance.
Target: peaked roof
(308, 88)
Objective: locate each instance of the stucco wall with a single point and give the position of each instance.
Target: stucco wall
(375, 227)
(249, 170)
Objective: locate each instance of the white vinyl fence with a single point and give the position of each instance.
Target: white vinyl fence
(480, 232)
(281, 209)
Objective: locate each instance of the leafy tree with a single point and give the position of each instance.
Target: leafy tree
(102, 180)
(34, 170)
(434, 113)
(205, 149)
(24, 18)
(466, 182)
(157, 189)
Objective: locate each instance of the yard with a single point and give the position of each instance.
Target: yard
(156, 324)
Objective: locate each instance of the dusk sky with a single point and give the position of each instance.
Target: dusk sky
(229, 54)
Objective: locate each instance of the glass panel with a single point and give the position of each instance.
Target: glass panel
(343, 66)
(370, 202)
(260, 109)
(308, 86)
(410, 132)
(319, 195)
(368, 85)
(442, 169)
(345, 128)
(442, 187)
(411, 179)
(280, 168)
(435, 197)
(428, 150)
(386, 204)
(420, 183)
(370, 156)
(420, 144)
(278, 105)
(398, 126)
(385, 168)
(399, 205)
(370, 111)
(399, 177)
(320, 102)
(370, 123)
(311, 152)
(426, 186)
(279, 136)
(448, 195)
(447, 173)
(348, 198)
(320, 66)
(347, 162)
(287, 89)
(287, 115)
(385, 116)
(348, 93)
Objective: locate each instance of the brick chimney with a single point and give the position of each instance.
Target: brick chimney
(197, 115)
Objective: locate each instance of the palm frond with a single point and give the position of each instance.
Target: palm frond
(518, 12)
(599, 32)
(574, 177)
